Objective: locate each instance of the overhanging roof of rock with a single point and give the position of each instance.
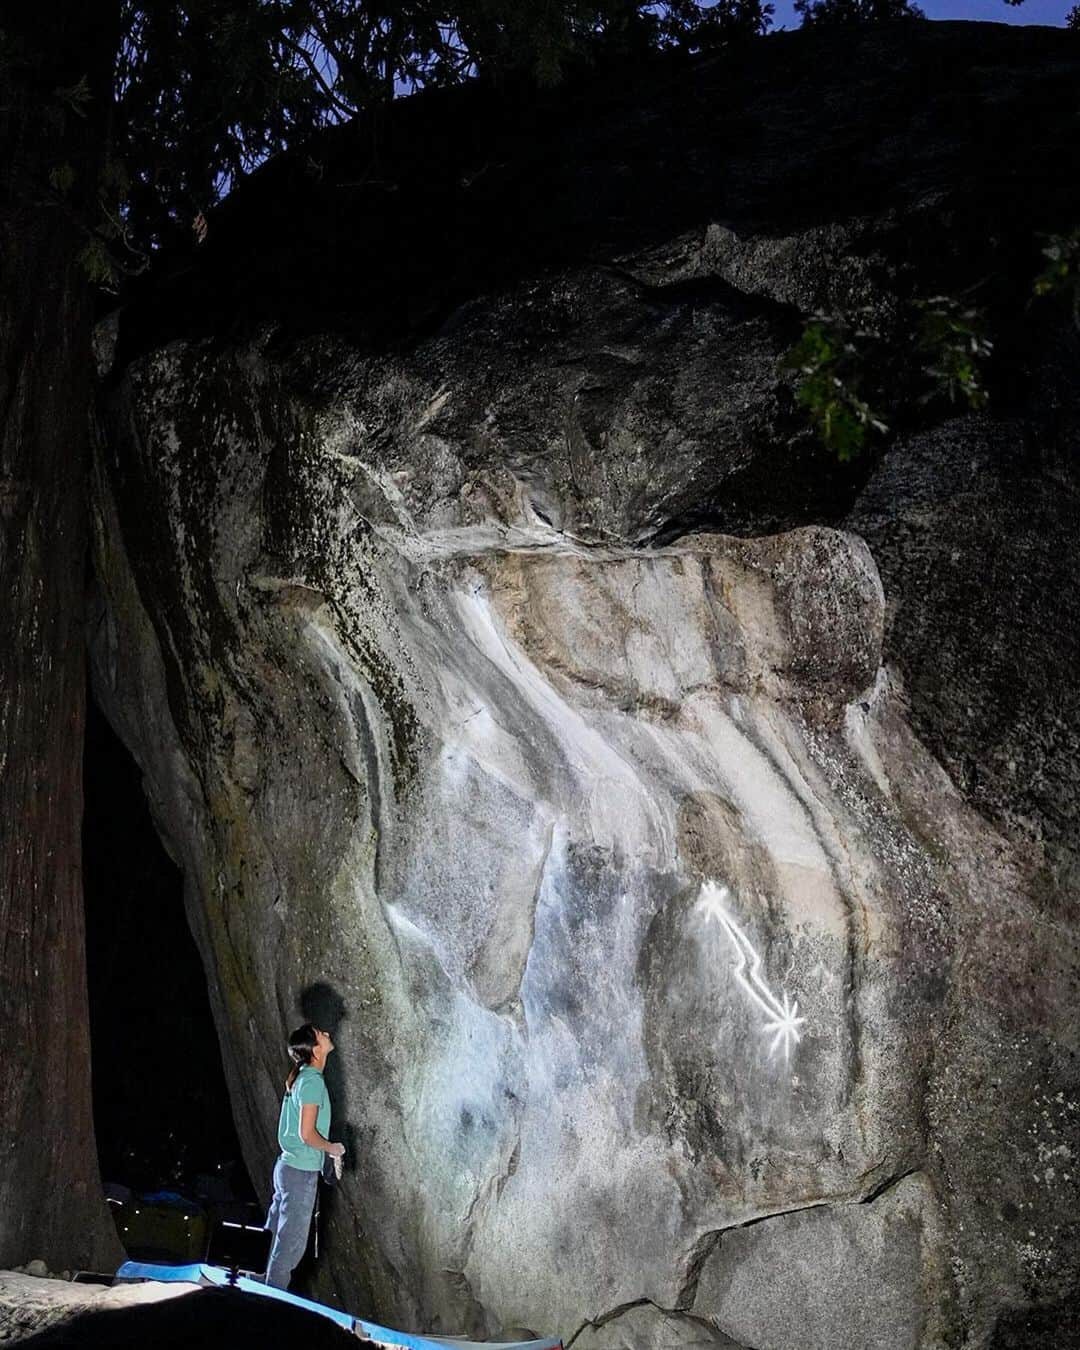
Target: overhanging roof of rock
(473, 189)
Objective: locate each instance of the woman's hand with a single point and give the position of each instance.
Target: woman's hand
(336, 1150)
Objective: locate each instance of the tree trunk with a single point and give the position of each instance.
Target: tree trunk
(51, 1204)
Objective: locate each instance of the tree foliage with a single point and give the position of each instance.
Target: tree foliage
(205, 90)
(860, 373)
(854, 13)
(1060, 277)
(832, 357)
(953, 344)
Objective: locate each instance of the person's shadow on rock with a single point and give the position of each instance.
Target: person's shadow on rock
(323, 1007)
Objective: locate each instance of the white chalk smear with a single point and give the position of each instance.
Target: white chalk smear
(782, 1013)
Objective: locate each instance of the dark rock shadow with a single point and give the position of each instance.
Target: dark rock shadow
(147, 991)
(1056, 1324)
(209, 1318)
(324, 1007)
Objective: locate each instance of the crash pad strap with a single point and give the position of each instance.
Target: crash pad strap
(214, 1275)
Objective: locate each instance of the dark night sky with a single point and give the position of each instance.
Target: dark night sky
(1050, 12)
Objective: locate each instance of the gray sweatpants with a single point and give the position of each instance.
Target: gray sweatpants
(289, 1220)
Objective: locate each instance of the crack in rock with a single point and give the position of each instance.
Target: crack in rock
(680, 1329)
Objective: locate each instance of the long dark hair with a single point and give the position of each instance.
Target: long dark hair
(302, 1043)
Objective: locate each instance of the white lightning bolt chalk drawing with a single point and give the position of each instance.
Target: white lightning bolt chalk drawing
(782, 1013)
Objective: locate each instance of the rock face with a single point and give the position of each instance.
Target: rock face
(522, 699)
(847, 1274)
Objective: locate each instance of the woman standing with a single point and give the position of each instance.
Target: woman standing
(303, 1130)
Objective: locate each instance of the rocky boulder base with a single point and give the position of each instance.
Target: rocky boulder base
(53, 1314)
(518, 698)
(33, 1302)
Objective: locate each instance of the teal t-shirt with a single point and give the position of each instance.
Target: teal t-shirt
(308, 1089)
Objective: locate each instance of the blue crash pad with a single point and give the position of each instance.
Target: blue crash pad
(199, 1273)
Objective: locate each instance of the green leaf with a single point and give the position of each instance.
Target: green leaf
(96, 263)
(62, 178)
